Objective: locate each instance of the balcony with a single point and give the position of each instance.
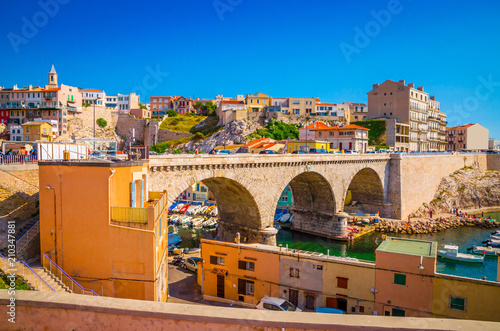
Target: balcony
(151, 211)
(444, 122)
(434, 118)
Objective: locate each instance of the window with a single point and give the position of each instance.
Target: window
(245, 287)
(342, 282)
(400, 279)
(294, 273)
(458, 303)
(310, 302)
(284, 198)
(269, 306)
(216, 260)
(246, 265)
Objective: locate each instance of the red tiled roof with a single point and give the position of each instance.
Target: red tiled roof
(325, 103)
(316, 125)
(256, 142)
(461, 127)
(90, 90)
(232, 102)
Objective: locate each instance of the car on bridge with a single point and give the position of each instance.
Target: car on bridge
(318, 151)
(268, 152)
(220, 152)
(351, 152)
(299, 152)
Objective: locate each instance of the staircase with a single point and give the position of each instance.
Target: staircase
(52, 280)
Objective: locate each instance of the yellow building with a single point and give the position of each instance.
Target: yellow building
(302, 145)
(256, 102)
(100, 225)
(34, 131)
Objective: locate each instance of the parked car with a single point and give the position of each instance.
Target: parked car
(191, 263)
(299, 152)
(221, 152)
(318, 151)
(351, 152)
(268, 151)
(272, 303)
(335, 152)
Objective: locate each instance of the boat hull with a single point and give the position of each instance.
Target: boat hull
(461, 258)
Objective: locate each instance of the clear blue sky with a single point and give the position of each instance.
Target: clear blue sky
(284, 48)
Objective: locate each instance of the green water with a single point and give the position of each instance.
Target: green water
(364, 247)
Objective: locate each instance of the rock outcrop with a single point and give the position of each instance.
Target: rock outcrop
(431, 226)
(233, 133)
(465, 189)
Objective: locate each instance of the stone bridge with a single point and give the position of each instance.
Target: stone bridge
(247, 187)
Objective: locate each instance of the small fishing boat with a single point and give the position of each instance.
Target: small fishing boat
(285, 218)
(495, 237)
(178, 207)
(209, 210)
(450, 252)
(214, 212)
(492, 242)
(203, 210)
(184, 209)
(481, 250)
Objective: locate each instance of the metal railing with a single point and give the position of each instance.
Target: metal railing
(66, 279)
(25, 238)
(23, 270)
(17, 159)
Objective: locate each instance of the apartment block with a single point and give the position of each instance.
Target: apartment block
(93, 97)
(101, 226)
(357, 111)
(467, 137)
(413, 106)
(52, 102)
(494, 144)
(256, 103)
(349, 137)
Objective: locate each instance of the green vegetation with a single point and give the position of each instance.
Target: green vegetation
(171, 113)
(142, 106)
(181, 123)
(436, 200)
(20, 282)
(85, 104)
(102, 122)
(376, 135)
(207, 108)
(276, 130)
(466, 168)
(207, 127)
(381, 147)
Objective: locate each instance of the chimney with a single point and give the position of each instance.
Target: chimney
(402, 82)
(433, 98)
(420, 88)
(30, 87)
(375, 86)
(411, 85)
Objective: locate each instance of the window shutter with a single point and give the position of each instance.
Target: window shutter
(242, 286)
(242, 265)
(213, 259)
(132, 194)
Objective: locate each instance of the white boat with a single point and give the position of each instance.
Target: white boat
(492, 242)
(285, 218)
(178, 207)
(481, 250)
(203, 210)
(495, 237)
(214, 212)
(450, 252)
(196, 222)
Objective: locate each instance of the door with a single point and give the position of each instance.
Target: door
(220, 286)
(293, 297)
(340, 146)
(350, 146)
(331, 302)
(342, 304)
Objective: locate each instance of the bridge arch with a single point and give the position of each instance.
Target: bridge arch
(366, 187)
(239, 211)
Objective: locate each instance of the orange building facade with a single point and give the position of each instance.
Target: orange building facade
(100, 225)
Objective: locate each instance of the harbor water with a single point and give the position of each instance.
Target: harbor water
(364, 247)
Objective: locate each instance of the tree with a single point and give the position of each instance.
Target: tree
(209, 108)
(102, 122)
(198, 105)
(171, 113)
(142, 106)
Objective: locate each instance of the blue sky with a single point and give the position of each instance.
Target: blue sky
(201, 48)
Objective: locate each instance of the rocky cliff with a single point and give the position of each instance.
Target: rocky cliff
(233, 133)
(466, 189)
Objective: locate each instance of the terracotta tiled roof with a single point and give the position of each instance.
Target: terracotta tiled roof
(316, 125)
(233, 102)
(325, 104)
(347, 127)
(461, 127)
(90, 90)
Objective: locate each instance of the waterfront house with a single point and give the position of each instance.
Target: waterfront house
(35, 131)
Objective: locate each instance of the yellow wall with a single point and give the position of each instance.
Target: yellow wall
(294, 145)
(35, 132)
(265, 275)
(361, 278)
(483, 298)
(118, 261)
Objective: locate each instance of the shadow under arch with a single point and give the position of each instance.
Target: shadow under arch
(314, 205)
(367, 189)
(238, 210)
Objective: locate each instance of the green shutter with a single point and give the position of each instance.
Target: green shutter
(400, 279)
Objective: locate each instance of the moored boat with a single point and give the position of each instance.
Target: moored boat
(450, 252)
(488, 251)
